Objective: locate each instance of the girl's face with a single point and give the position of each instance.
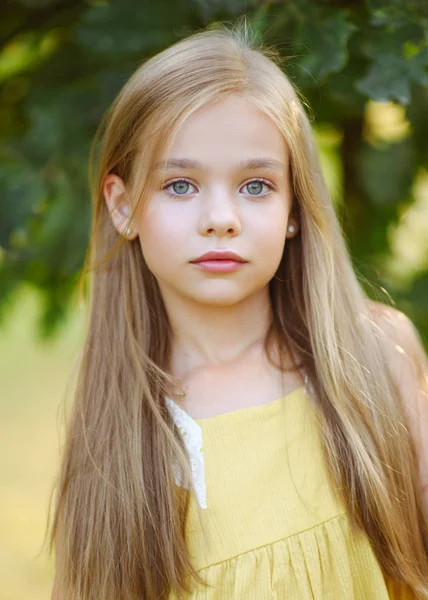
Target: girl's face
(224, 186)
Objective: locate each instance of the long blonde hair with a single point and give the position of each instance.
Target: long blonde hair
(119, 521)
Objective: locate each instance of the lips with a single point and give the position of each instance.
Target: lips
(219, 255)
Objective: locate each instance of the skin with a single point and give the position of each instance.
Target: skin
(213, 315)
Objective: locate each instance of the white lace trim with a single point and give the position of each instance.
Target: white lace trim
(192, 437)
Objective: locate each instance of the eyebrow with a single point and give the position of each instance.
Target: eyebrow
(252, 163)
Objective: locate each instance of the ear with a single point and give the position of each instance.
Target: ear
(116, 197)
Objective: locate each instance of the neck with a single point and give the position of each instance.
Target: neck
(207, 336)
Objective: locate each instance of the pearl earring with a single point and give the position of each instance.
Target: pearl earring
(291, 229)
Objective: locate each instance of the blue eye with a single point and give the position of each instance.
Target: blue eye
(180, 187)
(255, 187)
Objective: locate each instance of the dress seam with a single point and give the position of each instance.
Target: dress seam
(283, 539)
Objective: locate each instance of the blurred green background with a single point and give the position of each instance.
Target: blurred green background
(362, 69)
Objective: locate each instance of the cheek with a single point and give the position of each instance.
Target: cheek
(162, 238)
(269, 234)
(271, 249)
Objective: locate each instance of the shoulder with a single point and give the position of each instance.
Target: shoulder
(402, 341)
(408, 363)
(403, 348)
(391, 321)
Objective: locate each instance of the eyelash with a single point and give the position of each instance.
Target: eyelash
(270, 185)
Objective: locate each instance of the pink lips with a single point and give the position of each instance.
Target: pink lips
(219, 261)
(220, 255)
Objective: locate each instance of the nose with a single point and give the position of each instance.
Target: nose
(219, 214)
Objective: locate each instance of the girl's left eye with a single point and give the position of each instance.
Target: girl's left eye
(180, 187)
(255, 187)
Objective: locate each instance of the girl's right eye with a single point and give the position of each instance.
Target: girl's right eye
(180, 187)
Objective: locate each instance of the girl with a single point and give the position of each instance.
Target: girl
(246, 424)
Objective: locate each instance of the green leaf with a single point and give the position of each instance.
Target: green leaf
(398, 53)
(143, 28)
(396, 12)
(390, 77)
(324, 39)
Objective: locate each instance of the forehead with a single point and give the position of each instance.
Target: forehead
(229, 129)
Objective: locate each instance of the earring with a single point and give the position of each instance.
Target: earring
(291, 229)
(125, 211)
(128, 228)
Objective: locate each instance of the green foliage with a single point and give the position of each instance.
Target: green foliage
(63, 62)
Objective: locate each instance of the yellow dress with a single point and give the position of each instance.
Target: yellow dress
(276, 530)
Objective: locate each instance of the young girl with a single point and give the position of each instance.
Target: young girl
(246, 423)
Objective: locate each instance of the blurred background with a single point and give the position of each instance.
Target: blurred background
(362, 71)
